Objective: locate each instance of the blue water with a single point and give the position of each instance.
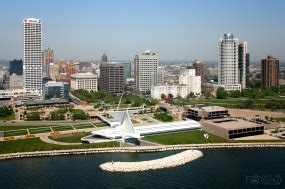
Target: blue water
(218, 168)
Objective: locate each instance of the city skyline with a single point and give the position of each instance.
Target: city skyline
(174, 30)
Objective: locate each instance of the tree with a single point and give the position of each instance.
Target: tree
(162, 95)
(234, 94)
(208, 94)
(246, 104)
(108, 98)
(170, 95)
(221, 93)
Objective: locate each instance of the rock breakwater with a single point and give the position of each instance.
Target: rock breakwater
(166, 162)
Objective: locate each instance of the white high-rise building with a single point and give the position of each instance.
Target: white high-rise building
(192, 81)
(146, 66)
(32, 66)
(175, 90)
(228, 72)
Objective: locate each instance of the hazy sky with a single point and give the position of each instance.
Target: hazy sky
(174, 29)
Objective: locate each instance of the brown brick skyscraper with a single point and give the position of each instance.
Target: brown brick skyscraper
(270, 72)
(199, 66)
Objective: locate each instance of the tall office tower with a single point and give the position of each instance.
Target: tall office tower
(199, 66)
(270, 72)
(33, 55)
(127, 69)
(54, 71)
(160, 76)
(112, 77)
(62, 66)
(146, 66)
(104, 58)
(192, 82)
(70, 70)
(247, 69)
(16, 75)
(48, 57)
(243, 64)
(228, 72)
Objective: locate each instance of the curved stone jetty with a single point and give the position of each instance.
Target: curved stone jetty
(170, 161)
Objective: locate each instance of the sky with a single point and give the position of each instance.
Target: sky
(174, 29)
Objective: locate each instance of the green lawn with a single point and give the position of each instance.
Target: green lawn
(62, 128)
(70, 139)
(101, 124)
(40, 130)
(282, 119)
(16, 132)
(35, 144)
(83, 126)
(187, 137)
(194, 137)
(8, 117)
(13, 127)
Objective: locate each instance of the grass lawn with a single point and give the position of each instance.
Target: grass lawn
(35, 144)
(70, 139)
(101, 124)
(9, 117)
(282, 119)
(40, 130)
(16, 132)
(62, 128)
(194, 137)
(13, 127)
(83, 126)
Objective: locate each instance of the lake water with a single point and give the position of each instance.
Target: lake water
(218, 168)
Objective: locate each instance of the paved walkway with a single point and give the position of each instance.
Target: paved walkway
(48, 140)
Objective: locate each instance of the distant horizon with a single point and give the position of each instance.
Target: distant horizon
(175, 30)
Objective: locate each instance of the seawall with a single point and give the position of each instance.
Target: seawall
(137, 149)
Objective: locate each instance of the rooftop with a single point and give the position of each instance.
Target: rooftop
(208, 108)
(84, 75)
(232, 124)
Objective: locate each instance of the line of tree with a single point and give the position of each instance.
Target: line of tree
(6, 111)
(255, 93)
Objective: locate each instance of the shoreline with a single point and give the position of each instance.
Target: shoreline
(136, 149)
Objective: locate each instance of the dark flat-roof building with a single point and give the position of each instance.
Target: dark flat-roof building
(112, 77)
(270, 72)
(230, 128)
(205, 112)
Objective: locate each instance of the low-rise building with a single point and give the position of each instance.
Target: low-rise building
(205, 112)
(175, 90)
(16, 82)
(230, 128)
(53, 89)
(86, 81)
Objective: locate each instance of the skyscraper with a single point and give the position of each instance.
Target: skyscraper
(146, 66)
(112, 77)
(48, 57)
(16, 67)
(104, 58)
(16, 75)
(228, 72)
(243, 64)
(33, 55)
(199, 66)
(270, 72)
